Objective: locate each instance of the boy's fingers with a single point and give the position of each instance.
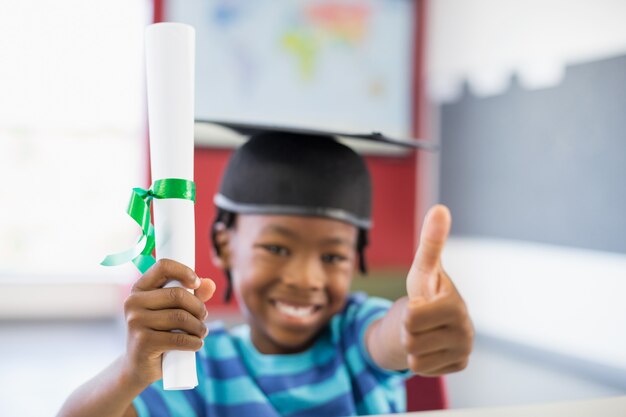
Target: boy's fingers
(166, 341)
(432, 341)
(435, 231)
(206, 290)
(166, 270)
(442, 311)
(429, 316)
(175, 319)
(455, 367)
(437, 363)
(167, 298)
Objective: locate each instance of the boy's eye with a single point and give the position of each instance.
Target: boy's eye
(276, 250)
(333, 258)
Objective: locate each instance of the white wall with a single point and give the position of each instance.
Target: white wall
(484, 41)
(560, 299)
(72, 136)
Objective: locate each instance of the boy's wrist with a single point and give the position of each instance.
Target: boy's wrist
(129, 378)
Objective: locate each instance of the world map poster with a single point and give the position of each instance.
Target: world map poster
(344, 65)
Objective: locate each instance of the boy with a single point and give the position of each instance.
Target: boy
(293, 214)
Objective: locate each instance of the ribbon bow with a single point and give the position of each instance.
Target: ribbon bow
(139, 210)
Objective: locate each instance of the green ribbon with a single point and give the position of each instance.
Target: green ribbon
(139, 210)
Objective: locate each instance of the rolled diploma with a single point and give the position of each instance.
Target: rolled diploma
(170, 53)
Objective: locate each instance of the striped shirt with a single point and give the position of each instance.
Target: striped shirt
(335, 377)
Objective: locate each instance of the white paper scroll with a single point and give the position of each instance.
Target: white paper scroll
(170, 54)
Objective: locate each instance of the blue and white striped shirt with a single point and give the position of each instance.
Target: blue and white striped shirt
(335, 377)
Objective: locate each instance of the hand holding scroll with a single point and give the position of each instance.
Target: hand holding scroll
(152, 312)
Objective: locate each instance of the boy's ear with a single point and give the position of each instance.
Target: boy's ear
(220, 254)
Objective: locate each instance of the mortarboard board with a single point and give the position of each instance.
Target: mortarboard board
(377, 138)
(229, 134)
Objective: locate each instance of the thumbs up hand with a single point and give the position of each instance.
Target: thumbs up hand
(437, 334)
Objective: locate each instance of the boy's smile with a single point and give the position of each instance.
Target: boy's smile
(296, 312)
(291, 275)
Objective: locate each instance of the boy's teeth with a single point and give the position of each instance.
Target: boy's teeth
(295, 311)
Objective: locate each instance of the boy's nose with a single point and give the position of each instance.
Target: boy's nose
(306, 274)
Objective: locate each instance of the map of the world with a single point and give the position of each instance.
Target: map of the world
(330, 64)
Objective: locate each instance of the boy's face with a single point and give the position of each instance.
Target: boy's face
(291, 275)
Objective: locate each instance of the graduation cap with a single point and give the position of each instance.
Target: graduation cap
(296, 171)
(300, 171)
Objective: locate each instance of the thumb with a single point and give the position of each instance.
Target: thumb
(206, 289)
(423, 278)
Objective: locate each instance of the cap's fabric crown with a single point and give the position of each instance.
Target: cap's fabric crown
(297, 174)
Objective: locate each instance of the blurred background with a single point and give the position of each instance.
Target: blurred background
(525, 98)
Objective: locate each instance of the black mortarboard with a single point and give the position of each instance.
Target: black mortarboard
(286, 170)
(295, 171)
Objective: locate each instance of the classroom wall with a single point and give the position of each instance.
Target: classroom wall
(528, 100)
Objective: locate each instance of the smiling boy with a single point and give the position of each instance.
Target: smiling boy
(292, 274)
(292, 222)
